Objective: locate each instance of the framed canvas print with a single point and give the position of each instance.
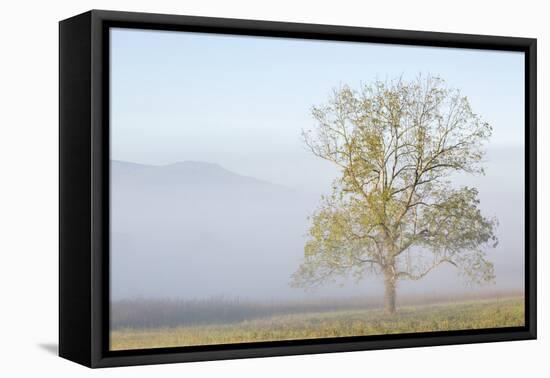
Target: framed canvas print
(235, 188)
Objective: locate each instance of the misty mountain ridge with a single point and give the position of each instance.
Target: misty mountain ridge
(187, 166)
(188, 172)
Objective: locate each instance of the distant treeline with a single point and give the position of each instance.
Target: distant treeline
(152, 313)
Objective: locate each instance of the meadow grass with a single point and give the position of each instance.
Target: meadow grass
(474, 314)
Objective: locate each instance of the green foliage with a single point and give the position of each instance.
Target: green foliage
(393, 210)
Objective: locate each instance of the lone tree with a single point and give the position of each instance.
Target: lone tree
(393, 211)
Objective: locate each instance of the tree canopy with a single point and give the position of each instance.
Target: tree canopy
(393, 210)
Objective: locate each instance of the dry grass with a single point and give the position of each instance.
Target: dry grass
(475, 314)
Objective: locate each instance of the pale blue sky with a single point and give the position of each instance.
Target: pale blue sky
(241, 101)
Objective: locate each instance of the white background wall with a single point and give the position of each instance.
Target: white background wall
(29, 186)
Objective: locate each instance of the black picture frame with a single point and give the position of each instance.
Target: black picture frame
(84, 187)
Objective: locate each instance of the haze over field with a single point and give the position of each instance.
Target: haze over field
(197, 230)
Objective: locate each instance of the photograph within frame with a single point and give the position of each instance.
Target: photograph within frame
(132, 282)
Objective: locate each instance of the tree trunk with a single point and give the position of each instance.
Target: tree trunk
(389, 294)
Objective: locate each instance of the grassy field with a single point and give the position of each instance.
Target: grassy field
(474, 314)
